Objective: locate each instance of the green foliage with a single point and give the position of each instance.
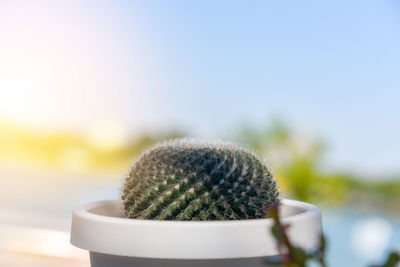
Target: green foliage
(68, 151)
(301, 176)
(296, 161)
(185, 179)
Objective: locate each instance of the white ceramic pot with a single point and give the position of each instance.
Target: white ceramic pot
(114, 240)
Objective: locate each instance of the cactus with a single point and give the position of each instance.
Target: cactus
(187, 179)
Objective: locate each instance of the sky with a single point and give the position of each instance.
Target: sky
(327, 68)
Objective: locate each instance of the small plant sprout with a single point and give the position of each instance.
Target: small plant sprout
(294, 256)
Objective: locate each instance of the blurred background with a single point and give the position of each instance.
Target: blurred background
(86, 86)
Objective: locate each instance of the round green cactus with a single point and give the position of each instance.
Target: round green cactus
(187, 179)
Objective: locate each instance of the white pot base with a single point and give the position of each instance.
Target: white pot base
(106, 260)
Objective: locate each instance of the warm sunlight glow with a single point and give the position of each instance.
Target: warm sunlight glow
(54, 71)
(17, 80)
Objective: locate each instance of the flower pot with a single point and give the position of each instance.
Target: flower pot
(114, 240)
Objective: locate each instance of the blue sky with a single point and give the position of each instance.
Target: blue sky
(330, 68)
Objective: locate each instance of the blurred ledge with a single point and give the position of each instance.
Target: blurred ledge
(12, 259)
(25, 218)
(30, 246)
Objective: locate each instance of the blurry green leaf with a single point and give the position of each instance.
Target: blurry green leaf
(277, 233)
(300, 255)
(392, 260)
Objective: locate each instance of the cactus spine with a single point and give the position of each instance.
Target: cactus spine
(187, 179)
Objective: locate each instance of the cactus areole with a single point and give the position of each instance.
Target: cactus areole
(187, 179)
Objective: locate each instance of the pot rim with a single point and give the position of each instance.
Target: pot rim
(101, 227)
